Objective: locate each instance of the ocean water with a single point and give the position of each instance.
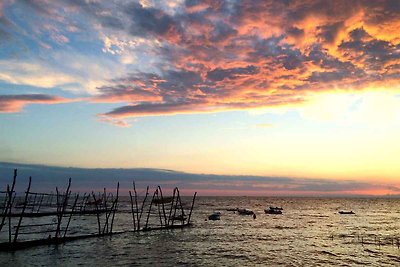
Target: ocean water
(310, 232)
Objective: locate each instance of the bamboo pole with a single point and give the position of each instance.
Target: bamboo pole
(23, 210)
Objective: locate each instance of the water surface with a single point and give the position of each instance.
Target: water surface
(310, 232)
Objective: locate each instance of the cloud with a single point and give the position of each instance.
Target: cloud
(229, 52)
(46, 178)
(33, 74)
(114, 121)
(15, 103)
(69, 71)
(209, 56)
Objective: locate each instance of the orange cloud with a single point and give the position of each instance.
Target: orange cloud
(210, 56)
(258, 54)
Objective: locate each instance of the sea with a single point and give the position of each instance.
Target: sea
(309, 232)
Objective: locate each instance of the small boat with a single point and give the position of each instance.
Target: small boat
(273, 210)
(245, 212)
(346, 212)
(215, 216)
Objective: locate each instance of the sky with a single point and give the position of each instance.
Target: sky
(293, 89)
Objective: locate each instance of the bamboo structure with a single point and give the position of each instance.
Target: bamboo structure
(46, 218)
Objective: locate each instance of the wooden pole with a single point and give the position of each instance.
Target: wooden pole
(105, 208)
(115, 208)
(8, 208)
(108, 214)
(191, 208)
(9, 216)
(23, 210)
(176, 204)
(163, 206)
(158, 208)
(136, 203)
(172, 205)
(70, 216)
(133, 213)
(148, 213)
(141, 210)
(182, 211)
(65, 202)
(97, 212)
(58, 211)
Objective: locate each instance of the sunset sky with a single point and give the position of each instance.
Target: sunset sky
(300, 89)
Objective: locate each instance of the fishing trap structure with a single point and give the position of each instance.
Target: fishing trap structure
(33, 218)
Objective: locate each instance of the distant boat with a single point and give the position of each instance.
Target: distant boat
(215, 216)
(245, 212)
(273, 210)
(346, 212)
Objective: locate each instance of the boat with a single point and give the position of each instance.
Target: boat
(273, 210)
(346, 212)
(215, 216)
(245, 212)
